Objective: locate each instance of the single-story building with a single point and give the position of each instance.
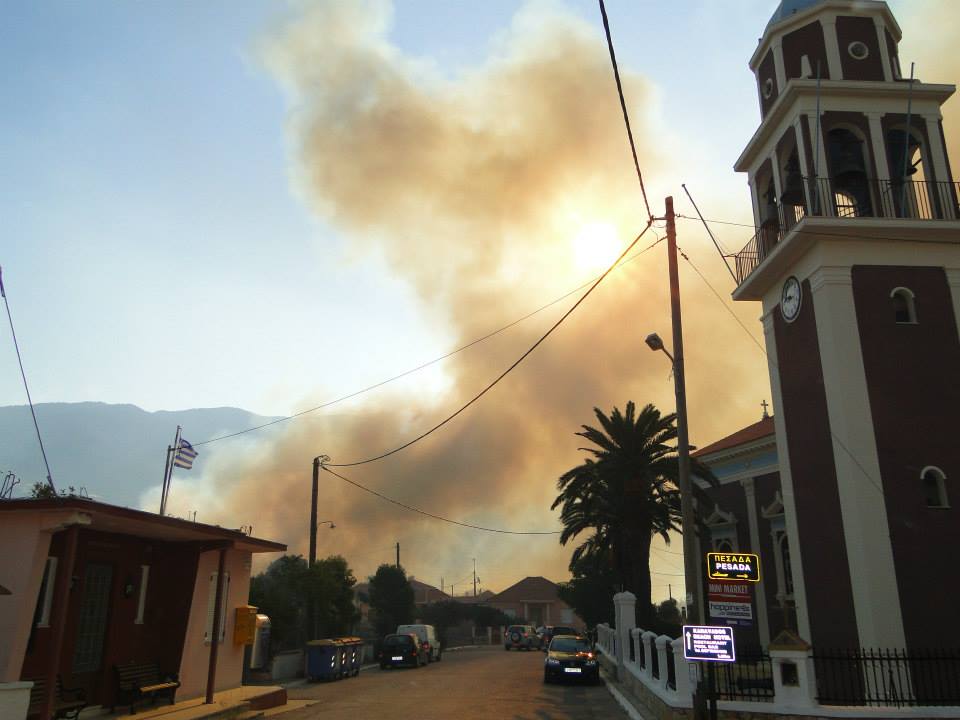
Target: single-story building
(535, 600)
(95, 586)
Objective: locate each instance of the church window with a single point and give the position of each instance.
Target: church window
(904, 307)
(858, 50)
(783, 550)
(934, 487)
(723, 545)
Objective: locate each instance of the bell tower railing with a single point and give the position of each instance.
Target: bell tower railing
(849, 198)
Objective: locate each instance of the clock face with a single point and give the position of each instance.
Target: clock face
(790, 298)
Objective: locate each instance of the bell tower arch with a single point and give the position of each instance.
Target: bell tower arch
(856, 261)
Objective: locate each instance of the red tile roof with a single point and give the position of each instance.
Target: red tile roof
(748, 434)
(530, 589)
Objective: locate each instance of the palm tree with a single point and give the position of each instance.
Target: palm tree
(625, 493)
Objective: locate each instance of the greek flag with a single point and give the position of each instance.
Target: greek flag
(185, 455)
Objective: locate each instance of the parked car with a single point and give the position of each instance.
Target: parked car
(551, 631)
(521, 636)
(401, 650)
(571, 657)
(428, 639)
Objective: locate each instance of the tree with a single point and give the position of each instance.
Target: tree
(288, 586)
(391, 599)
(590, 590)
(625, 493)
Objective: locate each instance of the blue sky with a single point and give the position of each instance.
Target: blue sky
(152, 231)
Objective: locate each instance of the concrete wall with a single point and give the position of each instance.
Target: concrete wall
(25, 539)
(196, 652)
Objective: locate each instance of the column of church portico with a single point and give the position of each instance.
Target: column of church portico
(878, 146)
(829, 24)
(803, 144)
(862, 505)
(750, 493)
(938, 156)
(786, 477)
(884, 50)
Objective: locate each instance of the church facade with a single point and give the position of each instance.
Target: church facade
(849, 491)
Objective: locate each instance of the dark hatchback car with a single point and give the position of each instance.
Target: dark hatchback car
(399, 650)
(550, 631)
(571, 657)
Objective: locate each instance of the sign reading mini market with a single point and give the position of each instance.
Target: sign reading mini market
(733, 566)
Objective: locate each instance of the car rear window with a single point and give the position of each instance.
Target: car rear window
(399, 640)
(516, 628)
(561, 630)
(569, 644)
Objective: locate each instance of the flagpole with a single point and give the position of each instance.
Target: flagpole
(163, 487)
(169, 478)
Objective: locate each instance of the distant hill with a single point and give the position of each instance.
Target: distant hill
(114, 451)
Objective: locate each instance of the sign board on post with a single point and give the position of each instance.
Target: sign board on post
(730, 602)
(733, 566)
(708, 642)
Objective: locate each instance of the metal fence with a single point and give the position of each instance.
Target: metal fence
(868, 198)
(889, 678)
(750, 678)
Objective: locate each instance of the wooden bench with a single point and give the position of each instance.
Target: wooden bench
(67, 702)
(139, 681)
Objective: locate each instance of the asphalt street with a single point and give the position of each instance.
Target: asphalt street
(469, 684)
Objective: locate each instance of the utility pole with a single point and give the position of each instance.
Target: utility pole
(312, 557)
(691, 559)
(474, 577)
(398, 554)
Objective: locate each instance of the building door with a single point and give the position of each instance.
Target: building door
(92, 623)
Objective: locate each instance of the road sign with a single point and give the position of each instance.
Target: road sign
(709, 643)
(733, 566)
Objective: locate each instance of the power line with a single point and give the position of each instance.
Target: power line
(519, 360)
(23, 374)
(411, 508)
(422, 366)
(623, 106)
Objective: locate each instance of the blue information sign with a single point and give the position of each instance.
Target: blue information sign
(708, 642)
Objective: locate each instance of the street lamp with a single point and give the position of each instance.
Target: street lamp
(691, 562)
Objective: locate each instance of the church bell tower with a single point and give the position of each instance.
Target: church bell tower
(856, 261)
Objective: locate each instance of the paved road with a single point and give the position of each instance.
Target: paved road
(471, 684)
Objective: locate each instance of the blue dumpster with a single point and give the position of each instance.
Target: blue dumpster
(351, 655)
(323, 660)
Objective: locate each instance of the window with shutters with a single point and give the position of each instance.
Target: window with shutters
(142, 594)
(45, 599)
(211, 606)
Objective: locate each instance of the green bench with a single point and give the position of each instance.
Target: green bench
(67, 702)
(142, 681)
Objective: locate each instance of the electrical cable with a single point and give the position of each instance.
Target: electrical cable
(623, 105)
(519, 360)
(422, 366)
(411, 508)
(23, 374)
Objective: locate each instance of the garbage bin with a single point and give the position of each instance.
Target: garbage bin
(323, 660)
(351, 655)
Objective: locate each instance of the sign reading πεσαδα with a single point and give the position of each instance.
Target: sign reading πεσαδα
(733, 566)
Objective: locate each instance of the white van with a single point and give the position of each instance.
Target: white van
(428, 639)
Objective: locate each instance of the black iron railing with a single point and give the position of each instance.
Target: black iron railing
(849, 199)
(888, 678)
(749, 678)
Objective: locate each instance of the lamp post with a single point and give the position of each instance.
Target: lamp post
(691, 558)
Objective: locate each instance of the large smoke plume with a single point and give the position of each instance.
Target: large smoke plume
(472, 187)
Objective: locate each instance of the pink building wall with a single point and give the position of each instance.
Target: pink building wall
(25, 539)
(196, 652)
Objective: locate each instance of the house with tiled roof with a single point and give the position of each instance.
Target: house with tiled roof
(535, 600)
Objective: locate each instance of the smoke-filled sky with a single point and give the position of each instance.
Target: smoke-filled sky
(268, 206)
